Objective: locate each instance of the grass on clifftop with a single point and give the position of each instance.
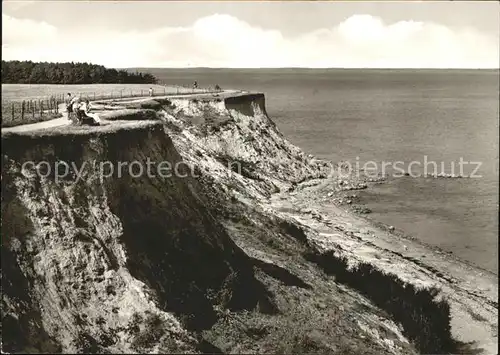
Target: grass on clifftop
(15, 118)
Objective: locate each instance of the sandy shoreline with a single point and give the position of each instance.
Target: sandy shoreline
(471, 291)
(358, 207)
(402, 274)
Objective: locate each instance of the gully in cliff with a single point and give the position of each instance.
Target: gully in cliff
(188, 222)
(127, 262)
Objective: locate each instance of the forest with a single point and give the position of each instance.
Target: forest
(28, 72)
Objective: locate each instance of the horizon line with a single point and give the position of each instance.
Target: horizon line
(255, 68)
(311, 68)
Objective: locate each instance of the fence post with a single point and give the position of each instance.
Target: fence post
(22, 111)
(12, 111)
(41, 108)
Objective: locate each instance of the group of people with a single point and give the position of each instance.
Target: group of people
(81, 109)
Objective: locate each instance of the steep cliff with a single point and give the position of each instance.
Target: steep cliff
(430, 296)
(84, 257)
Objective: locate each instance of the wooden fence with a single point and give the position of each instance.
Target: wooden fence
(130, 93)
(30, 110)
(34, 110)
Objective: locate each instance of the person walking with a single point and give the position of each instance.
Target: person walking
(68, 99)
(69, 106)
(73, 107)
(150, 91)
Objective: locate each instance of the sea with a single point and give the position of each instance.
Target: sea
(414, 117)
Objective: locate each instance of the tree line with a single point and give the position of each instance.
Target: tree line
(28, 72)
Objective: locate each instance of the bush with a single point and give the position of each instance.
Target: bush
(149, 332)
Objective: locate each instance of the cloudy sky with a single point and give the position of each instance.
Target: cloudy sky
(254, 34)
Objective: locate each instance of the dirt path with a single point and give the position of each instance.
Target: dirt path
(61, 121)
(64, 121)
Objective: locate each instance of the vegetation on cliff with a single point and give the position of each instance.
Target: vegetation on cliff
(24, 72)
(224, 260)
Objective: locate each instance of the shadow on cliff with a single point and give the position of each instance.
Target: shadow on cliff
(21, 327)
(425, 318)
(173, 243)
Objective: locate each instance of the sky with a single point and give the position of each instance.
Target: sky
(254, 34)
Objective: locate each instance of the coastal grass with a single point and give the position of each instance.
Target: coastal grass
(19, 92)
(13, 115)
(14, 94)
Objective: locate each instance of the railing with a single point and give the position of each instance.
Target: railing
(130, 93)
(15, 112)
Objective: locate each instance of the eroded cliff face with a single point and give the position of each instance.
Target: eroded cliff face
(236, 132)
(247, 137)
(280, 212)
(87, 262)
(219, 256)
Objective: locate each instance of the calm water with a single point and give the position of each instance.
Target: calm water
(394, 115)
